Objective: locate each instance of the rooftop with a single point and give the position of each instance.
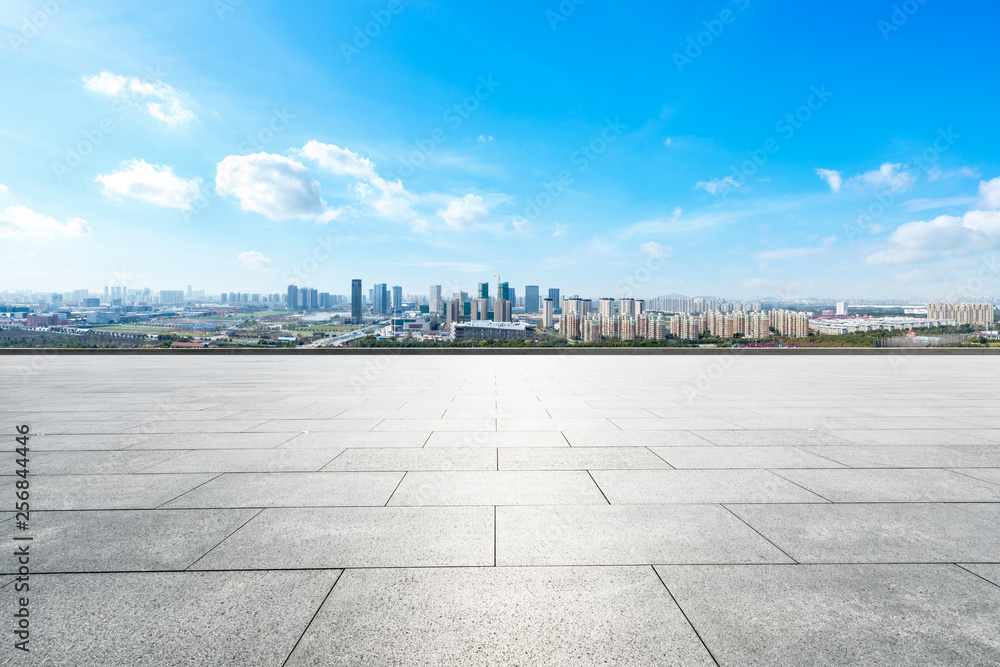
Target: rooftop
(495, 510)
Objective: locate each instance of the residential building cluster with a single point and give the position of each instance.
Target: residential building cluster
(741, 324)
(977, 314)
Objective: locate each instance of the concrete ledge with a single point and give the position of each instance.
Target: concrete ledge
(585, 351)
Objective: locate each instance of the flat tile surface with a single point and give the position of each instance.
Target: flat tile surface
(501, 616)
(840, 614)
(502, 510)
(224, 618)
(875, 533)
(298, 489)
(359, 537)
(507, 487)
(630, 535)
(628, 487)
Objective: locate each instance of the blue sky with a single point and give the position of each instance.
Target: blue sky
(609, 149)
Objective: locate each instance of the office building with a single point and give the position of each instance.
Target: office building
(434, 298)
(356, 306)
(166, 295)
(548, 309)
(291, 298)
(483, 330)
(380, 299)
(397, 298)
(554, 295)
(531, 299)
(483, 292)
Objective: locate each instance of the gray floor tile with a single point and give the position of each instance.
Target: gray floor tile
(409, 425)
(940, 437)
(428, 458)
(893, 485)
(627, 487)
(579, 458)
(494, 616)
(248, 460)
(497, 488)
(896, 456)
(742, 457)
(875, 533)
(990, 572)
(209, 441)
(137, 491)
(579, 438)
(839, 614)
(497, 439)
(355, 439)
(991, 475)
(293, 489)
(359, 537)
(242, 618)
(627, 535)
(770, 438)
(674, 424)
(989, 511)
(216, 426)
(128, 540)
(119, 462)
(313, 426)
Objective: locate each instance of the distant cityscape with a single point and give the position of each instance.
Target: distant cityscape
(305, 316)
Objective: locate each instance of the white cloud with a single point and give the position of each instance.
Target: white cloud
(989, 194)
(272, 185)
(156, 184)
(832, 178)
(389, 199)
(251, 259)
(520, 225)
(465, 212)
(935, 173)
(22, 222)
(484, 138)
(718, 186)
(654, 250)
(162, 101)
(3, 189)
(889, 176)
(944, 236)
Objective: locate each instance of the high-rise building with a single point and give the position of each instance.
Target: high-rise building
(605, 307)
(171, 296)
(554, 295)
(380, 299)
(978, 314)
(501, 310)
(842, 308)
(629, 307)
(531, 299)
(503, 291)
(547, 312)
(484, 291)
(397, 298)
(292, 299)
(356, 301)
(434, 299)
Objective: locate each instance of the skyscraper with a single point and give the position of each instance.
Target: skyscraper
(606, 307)
(503, 291)
(531, 299)
(292, 300)
(554, 295)
(434, 298)
(356, 301)
(501, 310)
(484, 291)
(548, 309)
(397, 298)
(380, 299)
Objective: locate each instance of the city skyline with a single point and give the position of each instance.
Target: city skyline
(713, 148)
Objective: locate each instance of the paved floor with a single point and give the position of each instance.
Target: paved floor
(494, 510)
